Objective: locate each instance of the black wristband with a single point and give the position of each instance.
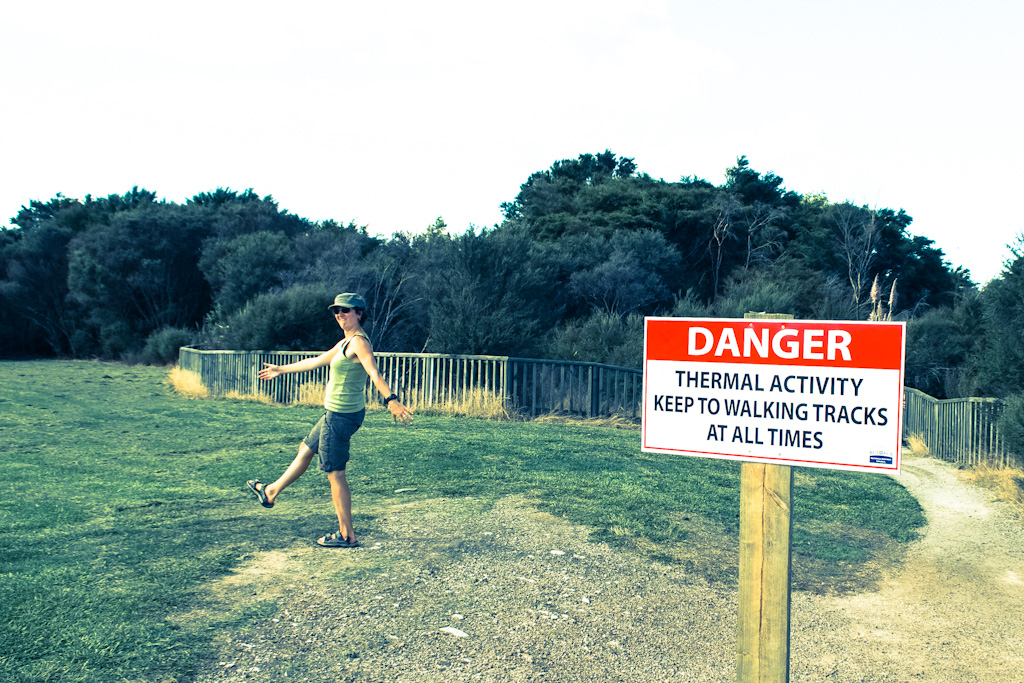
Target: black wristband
(389, 399)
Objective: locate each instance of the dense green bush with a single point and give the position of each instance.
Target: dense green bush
(295, 319)
(601, 338)
(162, 346)
(939, 344)
(1011, 424)
(998, 359)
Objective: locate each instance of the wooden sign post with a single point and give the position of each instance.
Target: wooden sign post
(766, 534)
(773, 394)
(762, 633)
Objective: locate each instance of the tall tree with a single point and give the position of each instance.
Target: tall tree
(755, 188)
(940, 344)
(239, 268)
(558, 201)
(235, 214)
(139, 273)
(632, 275)
(485, 295)
(925, 276)
(36, 273)
(856, 232)
(998, 360)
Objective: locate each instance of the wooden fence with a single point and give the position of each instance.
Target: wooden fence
(528, 386)
(960, 430)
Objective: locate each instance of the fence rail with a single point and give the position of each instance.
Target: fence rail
(530, 386)
(960, 430)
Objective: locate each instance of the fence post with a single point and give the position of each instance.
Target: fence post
(595, 391)
(506, 389)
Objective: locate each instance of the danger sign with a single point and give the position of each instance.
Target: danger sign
(788, 392)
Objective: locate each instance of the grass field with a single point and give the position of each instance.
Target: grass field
(121, 500)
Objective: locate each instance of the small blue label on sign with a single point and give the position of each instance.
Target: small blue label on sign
(880, 459)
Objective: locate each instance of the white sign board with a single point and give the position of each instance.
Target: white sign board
(787, 392)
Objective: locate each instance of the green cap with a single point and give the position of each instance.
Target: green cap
(349, 300)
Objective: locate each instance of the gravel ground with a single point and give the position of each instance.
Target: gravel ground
(446, 592)
(951, 613)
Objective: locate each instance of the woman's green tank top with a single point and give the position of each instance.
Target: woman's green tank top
(346, 385)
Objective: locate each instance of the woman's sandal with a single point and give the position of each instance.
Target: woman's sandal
(336, 540)
(260, 492)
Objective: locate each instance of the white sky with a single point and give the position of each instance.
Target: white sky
(392, 114)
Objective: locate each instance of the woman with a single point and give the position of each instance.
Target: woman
(351, 362)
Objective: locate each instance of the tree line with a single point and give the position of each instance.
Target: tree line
(585, 249)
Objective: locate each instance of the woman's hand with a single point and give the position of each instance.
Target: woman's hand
(399, 413)
(270, 371)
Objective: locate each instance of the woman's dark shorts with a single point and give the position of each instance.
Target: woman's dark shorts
(330, 437)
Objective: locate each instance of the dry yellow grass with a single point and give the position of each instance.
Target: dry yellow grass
(310, 394)
(616, 421)
(257, 398)
(476, 403)
(1006, 483)
(917, 446)
(187, 383)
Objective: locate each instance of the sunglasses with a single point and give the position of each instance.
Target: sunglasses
(341, 309)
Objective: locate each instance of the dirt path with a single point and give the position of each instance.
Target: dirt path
(532, 599)
(954, 611)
